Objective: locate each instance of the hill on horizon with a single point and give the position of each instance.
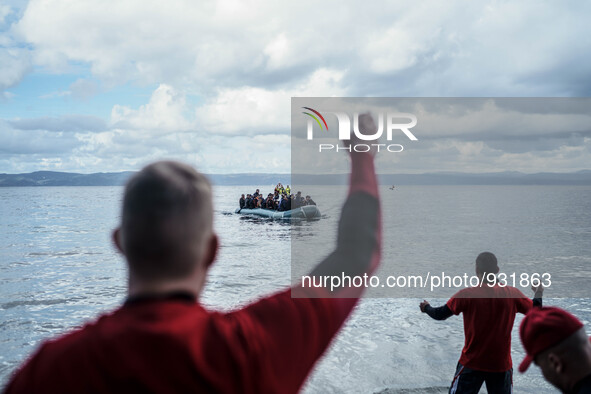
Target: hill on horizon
(56, 178)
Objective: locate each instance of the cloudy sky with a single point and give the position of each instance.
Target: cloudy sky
(90, 86)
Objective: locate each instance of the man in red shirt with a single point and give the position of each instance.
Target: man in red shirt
(489, 312)
(163, 340)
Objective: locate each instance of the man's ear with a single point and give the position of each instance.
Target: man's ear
(116, 236)
(212, 250)
(555, 363)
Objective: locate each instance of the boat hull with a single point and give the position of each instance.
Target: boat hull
(305, 212)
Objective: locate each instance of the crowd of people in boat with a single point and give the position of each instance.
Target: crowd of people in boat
(280, 200)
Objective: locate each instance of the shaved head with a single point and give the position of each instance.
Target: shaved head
(167, 220)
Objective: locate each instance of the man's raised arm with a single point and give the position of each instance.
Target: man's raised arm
(359, 234)
(290, 330)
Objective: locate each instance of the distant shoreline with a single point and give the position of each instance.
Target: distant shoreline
(54, 178)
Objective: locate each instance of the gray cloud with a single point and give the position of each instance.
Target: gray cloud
(68, 123)
(15, 142)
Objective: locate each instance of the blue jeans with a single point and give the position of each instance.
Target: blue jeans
(468, 381)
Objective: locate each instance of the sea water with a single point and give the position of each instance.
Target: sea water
(58, 269)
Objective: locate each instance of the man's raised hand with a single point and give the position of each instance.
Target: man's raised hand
(367, 125)
(538, 291)
(424, 305)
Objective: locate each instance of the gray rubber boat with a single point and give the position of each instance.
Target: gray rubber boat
(305, 212)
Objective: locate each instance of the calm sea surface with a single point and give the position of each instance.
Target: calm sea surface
(59, 269)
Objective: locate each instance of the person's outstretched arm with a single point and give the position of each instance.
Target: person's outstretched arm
(525, 304)
(440, 313)
(285, 334)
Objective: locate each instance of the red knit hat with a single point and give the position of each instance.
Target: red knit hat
(543, 328)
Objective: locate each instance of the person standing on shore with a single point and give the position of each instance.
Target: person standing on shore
(489, 312)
